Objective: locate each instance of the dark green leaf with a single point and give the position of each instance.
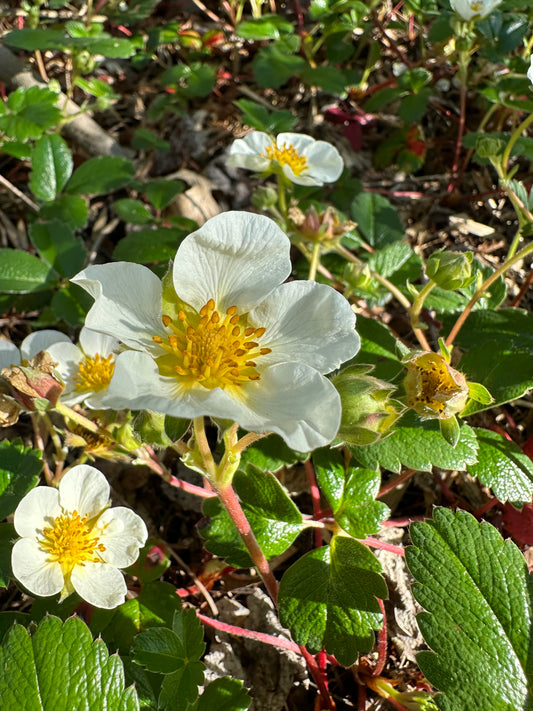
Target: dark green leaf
(71, 304)
(378, 348)
(267, 27)
(100, 175)
(274, 518)
(351, 492)
(180, 689)
(270, 454)
(326, 77)
(20, 467)
(328, 599)
(7, 536)
(474, 587)
(262, 119)
(159, 650)
(193, 79)
(58, 246)
(273, 65)
(160, 193)
(376, 219)
(144, 139)
(504, 467)
(419, 445)
(70, 209)
(59, 668)
(223, 694)
(51, 164)
(150, 245)
(31, 39)
(133, 211)
(23, 272)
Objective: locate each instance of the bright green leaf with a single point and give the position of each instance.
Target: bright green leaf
(180, 689)
(20, 467)
(100, 175)
(274, 65)
(351, 492)
(71, 304)
(133, 211)
(474, 588)
(419, 445)
(377, 220)
(267, 27)
(378, 348)
(58, 246)
(328, 599)
(270, 454)
(223, 694)
(51, 166)
(159, 650)
(22, 272)
(504, 467)
(150, 245)
(59, 668)
(70, 209)
(160, 193)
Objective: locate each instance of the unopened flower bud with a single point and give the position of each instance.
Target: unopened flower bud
(434, 389)
(36, 386)
(357, 276)
(264, 198)
(450, 270)
(324, 227)
(368, 412)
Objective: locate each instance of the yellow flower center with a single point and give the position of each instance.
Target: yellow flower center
(432, 388)
(476, 5)
(71, 541)
(94, 374)
(287, 155)
(213, 350)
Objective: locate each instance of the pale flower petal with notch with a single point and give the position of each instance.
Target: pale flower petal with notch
(100, 584)
(248, 152)
(40, 341)
(31, 566)
(9, 354)
(123, 533)
(36, 510)
(84, 489)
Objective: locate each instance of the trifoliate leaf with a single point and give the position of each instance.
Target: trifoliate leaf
(19, 470)
(419, 445)
(270, 453)
(274, 518)
(60, 668)
(474, 588)
(351, 492)
(503, 466)
(328, 599)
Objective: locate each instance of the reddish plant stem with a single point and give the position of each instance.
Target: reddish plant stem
(190, 488)
(361, 697)
(232, 505)
(382, 644)
(448, 493)
(491, 503)
(400, 522)
(390, 485)
(320, 679)
(315, 497)
(249, 634)
(383, 545)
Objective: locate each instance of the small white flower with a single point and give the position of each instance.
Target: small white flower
(226, 337)
(303, 160)
(72, 541)
(86, 369)
(34, 343)
(474, 9)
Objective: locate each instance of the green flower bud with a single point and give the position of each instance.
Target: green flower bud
(368, 412)
(434, 389)
(357, 276)
(450, 270)
(264, 197)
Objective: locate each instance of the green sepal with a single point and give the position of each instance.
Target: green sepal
(450, 430)
(479, 393)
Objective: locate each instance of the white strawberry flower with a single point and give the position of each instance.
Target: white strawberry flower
(72, 541)
(225, 336)
(300, 158)
(33, 344)
(86, 368)
(474, 9)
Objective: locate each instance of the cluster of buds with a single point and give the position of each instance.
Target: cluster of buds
(314, 226)
(35, 386)
(368, 412)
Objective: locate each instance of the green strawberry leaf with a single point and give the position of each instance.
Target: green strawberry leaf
(58, 667)
(328, 599)
(274, 518)
(475, 589)
(20, 467)
(419, 445)
(223, 694)
(351, 492)
(504, 467)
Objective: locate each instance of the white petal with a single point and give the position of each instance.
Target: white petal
(300, 141)
(67, 357)
(127, 302)
(302, 179)
(123, 534)
(137, 384)
(37, 510)
(307, 322)
(99, 584)
(9, 354)
(84, 489)
(236, 258)
(31, 568)
(325, 162)
(94, 343)
(246, 152)
(295, 401)
(40, 341)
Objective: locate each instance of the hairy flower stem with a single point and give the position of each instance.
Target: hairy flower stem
(270, 639)
(315, 261)
(493, 277)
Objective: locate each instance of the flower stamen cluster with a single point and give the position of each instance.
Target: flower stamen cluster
(72, 541)
(94, 373)
(287, 154)
(212, 350)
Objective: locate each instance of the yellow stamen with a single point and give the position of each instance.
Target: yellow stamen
(94, 374)
(287, 155)
(71, 541)
(214, 349)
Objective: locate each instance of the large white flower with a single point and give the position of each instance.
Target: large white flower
(36, 342)
(226, 337)
(86, 368)
(72, 541)
(302, 159)
(474, 9)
